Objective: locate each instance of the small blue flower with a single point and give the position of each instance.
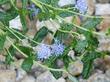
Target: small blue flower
(81, 5)
(34, 9)
(44, 51)
(57, 48)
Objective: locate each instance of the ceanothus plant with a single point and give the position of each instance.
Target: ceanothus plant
(81, 38)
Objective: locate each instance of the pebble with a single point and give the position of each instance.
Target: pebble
(107, 73)
(37, 70)
(76, 68)
(103, 1)
(102, 9)
(28, 79)
(72, 54)
(91, 7)
(20, 74)
(46, 77)
(97, 77)
(61, 80)
(66, 2)
(15, 23)
(7, 76)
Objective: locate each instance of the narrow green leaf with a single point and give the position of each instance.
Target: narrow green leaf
(81, 45)
(40, 35)
(25, 50)
(88, 60)
(91, 23)
(9, 56)
(27, 64)
(23, 14)
(61, 35)
(56, 74)
(2, 39)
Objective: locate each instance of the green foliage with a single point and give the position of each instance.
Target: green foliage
(61, 35)
(50, 2)
(91, 23)
(3, 1)
(40, 35)
(27, 64)
(23, 20)
(85, 47)
(5, 17)
(2, 39)
(26, 50)
(9, 56)
(88, 60)
(81, 45)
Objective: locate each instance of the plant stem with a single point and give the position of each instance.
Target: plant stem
(60, 9)
(52, 69)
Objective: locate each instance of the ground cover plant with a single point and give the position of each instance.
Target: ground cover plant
(81, 38)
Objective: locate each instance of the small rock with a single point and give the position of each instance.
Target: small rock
(37, 70)
(28, 79)
(51, 25)
(64, 75)
(98, 78)
(103, 1)
(72, 54)
(15, 23)
(61, 80)
(105, 24)
(6, 6)
(2, 64)
(68, 80)
(108, 73)
(7, 76)
(66, 2)
(60, 63)
(91, 7)
(82, 80)
(16, 65)
(25, 42)
(104, 43)
(46, 77)
(102, 63)
(20, 74)
(102, 9)
(2, 58)
(76, 68)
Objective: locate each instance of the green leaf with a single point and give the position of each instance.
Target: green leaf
(9, 56)
(40, 35)
(88, 60)
(27, 64)
(2, 39)
(24, 4)
(26, 50)
(5, 17)
(23, 14)
(56, 74)
(81, 45)
(50, 2)
(91, 23)
(61, 35)
(3, 1)
(51, 62)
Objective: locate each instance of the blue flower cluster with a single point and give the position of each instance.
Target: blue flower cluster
(45, 51)
(81, 5)
(57, 48)
(34, 9)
